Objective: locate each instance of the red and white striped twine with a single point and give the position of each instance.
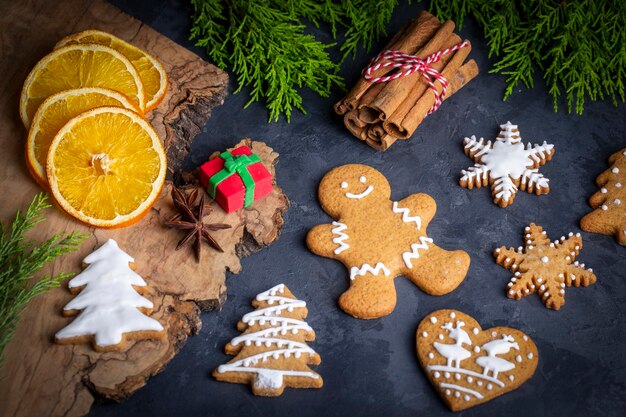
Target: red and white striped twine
(408, 64)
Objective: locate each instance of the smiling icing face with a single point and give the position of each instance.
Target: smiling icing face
(345, 187)
(358, 196)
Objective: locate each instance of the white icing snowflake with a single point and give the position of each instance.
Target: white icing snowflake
(506, 165)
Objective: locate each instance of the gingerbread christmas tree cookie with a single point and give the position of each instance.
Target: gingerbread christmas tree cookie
(506, 165)
(609, 216)
(544, 267)
(378, 239)
(468, 365)
(272, 352)
(109, 304)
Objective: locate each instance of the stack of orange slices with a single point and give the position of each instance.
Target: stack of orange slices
(88, 140)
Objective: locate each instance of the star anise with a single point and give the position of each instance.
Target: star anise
(190, 219)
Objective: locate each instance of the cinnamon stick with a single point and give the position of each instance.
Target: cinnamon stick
(455, 82)
(396, 91)
(409, 40)
(354, 124)
(396, 124)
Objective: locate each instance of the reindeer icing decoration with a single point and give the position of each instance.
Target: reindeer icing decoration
(468, 365)
(378, 239)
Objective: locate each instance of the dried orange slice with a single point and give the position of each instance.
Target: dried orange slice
(106, 167)
(54, 113)
(78, 66)
(153, 76)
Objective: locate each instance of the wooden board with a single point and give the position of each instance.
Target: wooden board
(44, 379)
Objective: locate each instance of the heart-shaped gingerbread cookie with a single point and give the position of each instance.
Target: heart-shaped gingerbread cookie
(468, 365)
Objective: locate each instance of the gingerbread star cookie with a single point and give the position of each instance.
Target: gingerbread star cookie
(468, 365)
(609, 216)
(506, 165)
(544, 267)
(378, 239)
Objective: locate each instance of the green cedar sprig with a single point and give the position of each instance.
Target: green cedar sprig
(578, 45)
(264, 44)
(21, 259)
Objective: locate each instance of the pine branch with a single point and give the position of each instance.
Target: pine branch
(21, 259)
(578, 45)
(265, 46)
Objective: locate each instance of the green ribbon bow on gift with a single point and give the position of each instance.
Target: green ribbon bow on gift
(235, 164)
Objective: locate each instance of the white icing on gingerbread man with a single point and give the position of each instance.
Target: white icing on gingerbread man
(378, 239)
(506, 165)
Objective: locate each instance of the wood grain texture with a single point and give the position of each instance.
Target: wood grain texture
(41, 378)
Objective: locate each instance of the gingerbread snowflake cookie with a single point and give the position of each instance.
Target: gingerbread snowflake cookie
(378, 239)
(272, 352)
(506, 165)
(468, 365)
(609, 216)
(544, 267)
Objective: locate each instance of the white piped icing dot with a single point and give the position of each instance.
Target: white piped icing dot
(511, 292)
(470, 379)
(431, 355)
(489, 387)
(440, 337)
(436, 374)
(561, 292)
(525, 338)
(362, 179)
(618, 185)
(424, 334)
(452, 315)
(457, 377)
(498, 250)
(615, 170)
(527, 228)
(475, 330)
(567, 258)
(447, 392)
(457, 394)
(446, 374)
(603, 190)
(344, 185)
(494, 334)
(617, 202)
(479, 382)
(466, 397)
(604, 207)
(511, 378)
(539, 280)
(518, 358)
(476, 349)
(530, 355)
(531, 247)
(570, 234)
(433, 320)
(544, 259)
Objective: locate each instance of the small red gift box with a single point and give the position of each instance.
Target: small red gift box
(236, 179)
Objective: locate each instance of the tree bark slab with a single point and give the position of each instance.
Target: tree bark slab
(41, 378)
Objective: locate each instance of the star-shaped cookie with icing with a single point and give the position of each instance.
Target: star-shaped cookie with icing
(544, 267)
(378, 239)
(506, 165)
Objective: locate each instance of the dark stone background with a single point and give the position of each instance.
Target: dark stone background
(370, 367)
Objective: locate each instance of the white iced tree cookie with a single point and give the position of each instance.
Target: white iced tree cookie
(272, 353)
(109, 305)
(506, 165)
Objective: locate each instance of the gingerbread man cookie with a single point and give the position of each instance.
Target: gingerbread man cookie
(378, 239)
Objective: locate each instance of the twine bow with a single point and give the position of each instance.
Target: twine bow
(408, 64)
(235, 164)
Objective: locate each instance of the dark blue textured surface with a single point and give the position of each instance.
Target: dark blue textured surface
(370, 367)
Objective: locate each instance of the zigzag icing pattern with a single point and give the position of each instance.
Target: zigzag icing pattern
(365, 268)
(269, 377)
(406, 217)
(341, 237)
(415, 248)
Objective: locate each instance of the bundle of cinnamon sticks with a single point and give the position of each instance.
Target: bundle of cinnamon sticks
(381, 113)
